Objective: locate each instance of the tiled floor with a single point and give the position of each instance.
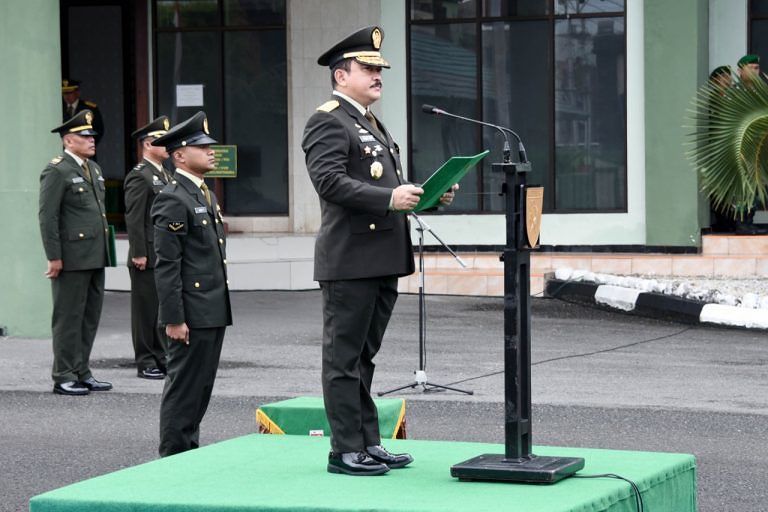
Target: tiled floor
(721, 256)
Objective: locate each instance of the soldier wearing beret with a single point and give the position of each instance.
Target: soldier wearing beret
(142, 184)
(72, 104)
(191, 280)
(362, 248)
(73, 225)
(749, 68)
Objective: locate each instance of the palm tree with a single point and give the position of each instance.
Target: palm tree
(729, 146)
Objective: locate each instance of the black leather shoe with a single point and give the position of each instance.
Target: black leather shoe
(355, 463)
(71, 388)
(392, 460)
(151, 373)
(95, 385)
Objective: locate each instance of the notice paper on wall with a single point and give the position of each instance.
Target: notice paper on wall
(189, 95)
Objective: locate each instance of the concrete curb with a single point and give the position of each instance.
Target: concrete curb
(656, 305)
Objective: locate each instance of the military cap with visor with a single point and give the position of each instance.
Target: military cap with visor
(192, 132)
(156, 128)
(79, 124)
(70, 85)
(749, 59)
(363, 46)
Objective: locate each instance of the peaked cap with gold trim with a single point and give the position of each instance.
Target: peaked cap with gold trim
(192, 132)
(79, 124)
(156, 128)
(363, 46)
(70, 85)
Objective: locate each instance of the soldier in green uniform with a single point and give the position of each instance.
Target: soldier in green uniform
(363, 246)
(141, 186)
(73, 225)
(72, 104)
(749, 68)
(192, 286)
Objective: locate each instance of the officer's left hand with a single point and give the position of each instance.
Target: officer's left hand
(54, 268)
(139, 263)
(447, 198)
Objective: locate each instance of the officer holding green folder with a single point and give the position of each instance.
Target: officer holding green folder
(362, 248)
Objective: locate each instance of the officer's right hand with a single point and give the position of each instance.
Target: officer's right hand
(54, 268)
(178, 332)
(139, 263)
(406, 197)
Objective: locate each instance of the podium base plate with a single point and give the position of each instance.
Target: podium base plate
(533, 469)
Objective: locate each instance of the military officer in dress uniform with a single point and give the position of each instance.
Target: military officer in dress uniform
(192, 286)
(73, 224)
(363, 246)
(72, 104)
(141, 186)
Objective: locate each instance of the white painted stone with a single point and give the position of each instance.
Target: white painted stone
(732, 315)
(617, 297)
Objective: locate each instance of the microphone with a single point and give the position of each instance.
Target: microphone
(431, 109)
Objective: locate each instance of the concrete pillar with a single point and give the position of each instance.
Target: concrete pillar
(30, 57)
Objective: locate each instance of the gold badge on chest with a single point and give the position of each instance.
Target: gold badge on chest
(377, 170)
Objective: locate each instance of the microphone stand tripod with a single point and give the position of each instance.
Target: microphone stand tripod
(420, 375)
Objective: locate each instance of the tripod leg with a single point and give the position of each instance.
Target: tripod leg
(441, 387)
(382, 393)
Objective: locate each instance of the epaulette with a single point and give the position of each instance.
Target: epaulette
(328, 106)
(57, 159)
(139, 166)
(90, 103)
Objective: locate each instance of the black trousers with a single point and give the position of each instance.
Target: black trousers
(149, 343)
(77, 299)
(355, 316)
(188, 387)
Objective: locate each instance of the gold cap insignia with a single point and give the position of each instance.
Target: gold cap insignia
(376, 170)
(534, 201)
(166, 124)
(205, 126)
(88, 117)
(175, 226)
(376, 38)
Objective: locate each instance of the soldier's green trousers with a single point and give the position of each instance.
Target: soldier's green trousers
(149, 340)
(77, 299)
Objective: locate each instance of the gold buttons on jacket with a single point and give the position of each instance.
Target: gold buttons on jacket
(225, 261)
(221, 240)
(205, 222)
(81, 189)
(197, 285)
(372, 227)
(81, 235)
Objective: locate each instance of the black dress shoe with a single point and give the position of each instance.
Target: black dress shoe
(95, 385)
(71, 388)
(151, 373)
(355, 463)
(392, 460)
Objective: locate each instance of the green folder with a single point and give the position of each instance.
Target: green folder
(112, 250)
(442, 179)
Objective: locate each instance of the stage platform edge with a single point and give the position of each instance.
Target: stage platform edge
(275, 473)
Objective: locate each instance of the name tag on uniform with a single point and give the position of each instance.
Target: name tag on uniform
(78, 180)
(156, 180)
(200, 209)
(367, 138)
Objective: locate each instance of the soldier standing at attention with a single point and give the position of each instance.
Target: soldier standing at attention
(72, 104)
(73, 225)
(192, 286)
(141, 186)
(363, 246)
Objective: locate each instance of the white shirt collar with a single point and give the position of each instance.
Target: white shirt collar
(77, 158)
(355, 104)
(155, 164)
(191, 177)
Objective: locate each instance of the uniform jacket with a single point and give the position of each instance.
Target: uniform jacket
(354, 170)
(73, 221)
(98, 121)
(141, 186)
(190, 269)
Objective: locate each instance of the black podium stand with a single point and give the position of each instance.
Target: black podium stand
(517, 464)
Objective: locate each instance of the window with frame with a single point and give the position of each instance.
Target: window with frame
(235, 49)
(552, 70)
(758, 27)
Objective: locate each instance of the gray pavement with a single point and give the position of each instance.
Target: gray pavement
(600, 379)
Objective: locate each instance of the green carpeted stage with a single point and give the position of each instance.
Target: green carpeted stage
(275, 473)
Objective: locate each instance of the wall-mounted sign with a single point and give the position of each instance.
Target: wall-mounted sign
(189, 95)
(226, 162)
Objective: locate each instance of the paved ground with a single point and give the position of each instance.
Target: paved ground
(600, 380)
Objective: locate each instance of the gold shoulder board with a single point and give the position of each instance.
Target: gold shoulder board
(90, 103)
(328, 106)
(57, 159)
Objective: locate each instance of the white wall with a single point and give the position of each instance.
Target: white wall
(727, 32)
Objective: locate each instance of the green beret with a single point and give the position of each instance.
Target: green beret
(720, 71)
(750, 58)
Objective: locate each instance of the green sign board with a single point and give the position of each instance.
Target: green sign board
(226, 162)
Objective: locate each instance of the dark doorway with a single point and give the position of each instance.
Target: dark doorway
(95, 38)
